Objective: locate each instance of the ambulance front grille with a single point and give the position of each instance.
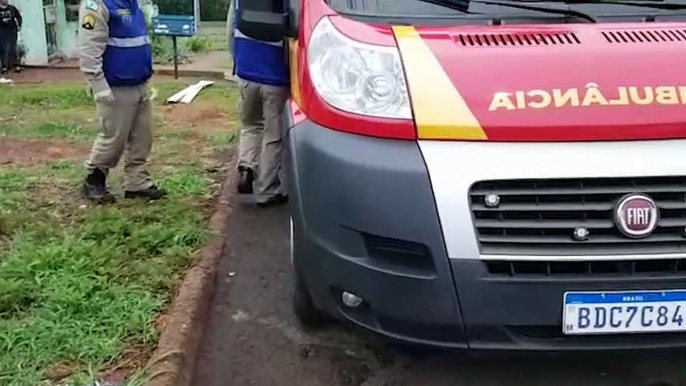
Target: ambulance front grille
(646, 36)
(636, 268)
(516, 39)
(538, 217)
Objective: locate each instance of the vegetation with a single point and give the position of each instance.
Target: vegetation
(210, 10)
(82, 286)
(211, 38)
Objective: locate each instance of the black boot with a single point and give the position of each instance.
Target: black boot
(95, 188)
(151, 193)
(245, 181)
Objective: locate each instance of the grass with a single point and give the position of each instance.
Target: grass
(216, 31)
(82, 285)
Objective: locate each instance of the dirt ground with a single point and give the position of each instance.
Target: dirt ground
(35, 152)
(46, 75)
(198, 114)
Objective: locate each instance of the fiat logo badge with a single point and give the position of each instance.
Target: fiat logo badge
(637, 215)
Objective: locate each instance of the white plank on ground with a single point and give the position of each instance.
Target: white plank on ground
(195, 90)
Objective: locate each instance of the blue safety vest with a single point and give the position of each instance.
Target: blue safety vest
(127, 60)
(258, 61)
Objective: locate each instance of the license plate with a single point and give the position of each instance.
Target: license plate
(624, 312)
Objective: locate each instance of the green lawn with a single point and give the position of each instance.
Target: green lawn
(81, 286)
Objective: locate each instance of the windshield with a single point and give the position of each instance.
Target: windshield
(391, 7)
(602, 10)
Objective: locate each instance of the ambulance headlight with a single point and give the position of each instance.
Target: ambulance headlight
(357, 77)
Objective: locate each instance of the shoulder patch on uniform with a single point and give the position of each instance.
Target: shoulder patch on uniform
(92, 5)
(88, 22)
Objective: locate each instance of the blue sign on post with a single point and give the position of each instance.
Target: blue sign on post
(174, 26)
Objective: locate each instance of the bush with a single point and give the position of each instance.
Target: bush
(163, 50)
(210, 10)
(21, 52)
(198, 44)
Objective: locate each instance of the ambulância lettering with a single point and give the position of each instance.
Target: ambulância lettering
(591, 95)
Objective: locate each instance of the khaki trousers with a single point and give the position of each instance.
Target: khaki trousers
(261, 137)
(125, 126)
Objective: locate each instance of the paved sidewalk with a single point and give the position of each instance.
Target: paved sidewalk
(252, 338)
(213, 62)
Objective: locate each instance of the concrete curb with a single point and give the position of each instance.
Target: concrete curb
(48, 67)
(174, 359)
(183, 73)
(211, 74)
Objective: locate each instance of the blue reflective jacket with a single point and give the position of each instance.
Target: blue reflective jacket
(256, 60)
(127, 61)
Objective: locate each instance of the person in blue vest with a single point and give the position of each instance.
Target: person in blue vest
(116, 59)
(262, 70)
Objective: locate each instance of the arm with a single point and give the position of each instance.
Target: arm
(230, 22)
(17, 17)
(93, 37)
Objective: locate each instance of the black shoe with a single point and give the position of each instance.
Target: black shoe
(245, 180)
(18, 70)
(277, 199)
(95, 188)
(4, 71)
(151, 193)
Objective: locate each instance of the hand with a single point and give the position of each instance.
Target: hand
(104, 96)
(151, 94)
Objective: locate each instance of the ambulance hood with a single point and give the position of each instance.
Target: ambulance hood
(547, 83)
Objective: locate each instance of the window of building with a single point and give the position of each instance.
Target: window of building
(71, 8)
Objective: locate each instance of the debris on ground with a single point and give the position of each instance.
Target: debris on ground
(189, 93)
(6, 81)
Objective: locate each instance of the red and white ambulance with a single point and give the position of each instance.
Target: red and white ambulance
(489, 174)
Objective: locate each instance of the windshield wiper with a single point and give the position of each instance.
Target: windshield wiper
(458, 5)
(463, 5)
(522, 5)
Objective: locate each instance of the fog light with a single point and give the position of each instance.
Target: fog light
(351, 300)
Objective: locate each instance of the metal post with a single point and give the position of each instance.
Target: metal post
(196, 14)
(176, 58)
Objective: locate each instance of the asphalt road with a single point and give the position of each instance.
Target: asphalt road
(252, 338)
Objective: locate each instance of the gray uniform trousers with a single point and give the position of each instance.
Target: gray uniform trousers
(125, 127)
(262, 135)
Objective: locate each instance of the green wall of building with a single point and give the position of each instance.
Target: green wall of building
(33, 35)
(33, 31)
(67, 32)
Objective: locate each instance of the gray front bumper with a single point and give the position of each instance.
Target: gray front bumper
(366, 221)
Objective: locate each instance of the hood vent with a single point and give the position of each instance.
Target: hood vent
(646, 36)
(529, 39)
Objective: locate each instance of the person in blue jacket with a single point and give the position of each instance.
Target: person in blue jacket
(116, 59)
(262, 70)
